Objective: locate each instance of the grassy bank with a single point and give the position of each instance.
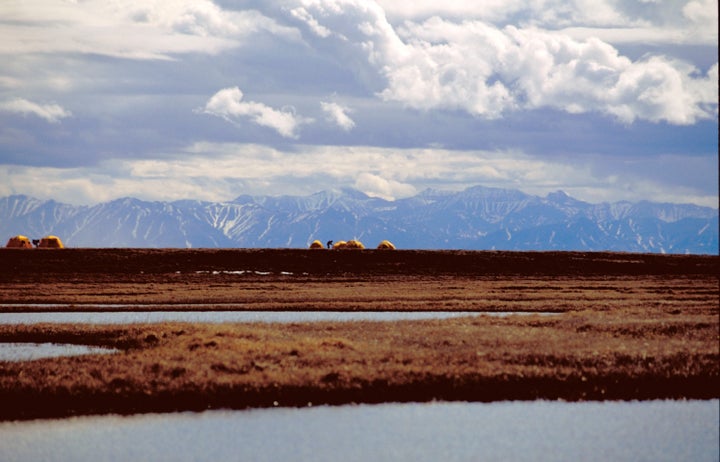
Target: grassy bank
(627, 327)
(626, 354)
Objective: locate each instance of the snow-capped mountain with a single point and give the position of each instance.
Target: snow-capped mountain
(476, 218)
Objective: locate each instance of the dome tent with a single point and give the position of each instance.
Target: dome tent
(354, 244)
(351, 244)
(19, 242)
(50, 242)
(386, 245)
(317, 245)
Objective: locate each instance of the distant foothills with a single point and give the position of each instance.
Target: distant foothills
(477, 218)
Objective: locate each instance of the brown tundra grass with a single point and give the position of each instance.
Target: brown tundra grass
(621, 330)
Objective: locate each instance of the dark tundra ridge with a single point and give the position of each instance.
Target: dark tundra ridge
(33, 405)
(15, 262)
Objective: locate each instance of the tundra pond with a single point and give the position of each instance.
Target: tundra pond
(31, 351)
(519, 431)
(133, 317)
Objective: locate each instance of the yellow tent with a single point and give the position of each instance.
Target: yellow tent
(19, 242)
(354, 244)
(317, 245)
(340, 245)
(51, 242)
(386, 245)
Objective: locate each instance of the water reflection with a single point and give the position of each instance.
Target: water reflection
(127, 317)
(519, 431)
(30, 351)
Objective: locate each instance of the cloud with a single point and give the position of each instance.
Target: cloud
(222, 171)
(490, 71)
(473, 61)
(540, 13)
(148, 30)
(702, 16)
(228, 104)
(377, 186)
(302, 14)
(49, 112)
(424, 9)
(337, 114)
(668, 22)
(659, 90)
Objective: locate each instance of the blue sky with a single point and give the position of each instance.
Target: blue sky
(164, 100)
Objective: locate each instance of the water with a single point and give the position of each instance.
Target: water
(128, 317)
(501, 431)
(30, 351)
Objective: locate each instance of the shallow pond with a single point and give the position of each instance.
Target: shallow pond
(127, 317)
(518, 431)
(30, 351)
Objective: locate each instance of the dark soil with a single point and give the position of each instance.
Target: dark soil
(25, 262)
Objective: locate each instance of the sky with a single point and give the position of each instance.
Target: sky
(607, 100)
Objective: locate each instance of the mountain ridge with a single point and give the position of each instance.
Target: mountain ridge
(477, 218)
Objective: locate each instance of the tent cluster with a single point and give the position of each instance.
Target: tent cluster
(351, 244)
(22, 242)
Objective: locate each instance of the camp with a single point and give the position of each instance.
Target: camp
(19, 242)
(50, 242)
(316, 245)
(386, 245)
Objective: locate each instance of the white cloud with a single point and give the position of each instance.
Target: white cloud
(154, 29)
(337, 114)
(358, 25)
(303, 15)
(222, 171)
(228, 104)
(707, 89)
(613, 21)
(702, 16)
(377, 186)
(424, 9)
(489, 71)
(49, 112)
(660, 90)
(471, 62)
(540, 13)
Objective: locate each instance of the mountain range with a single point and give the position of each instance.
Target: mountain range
(475, 218)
